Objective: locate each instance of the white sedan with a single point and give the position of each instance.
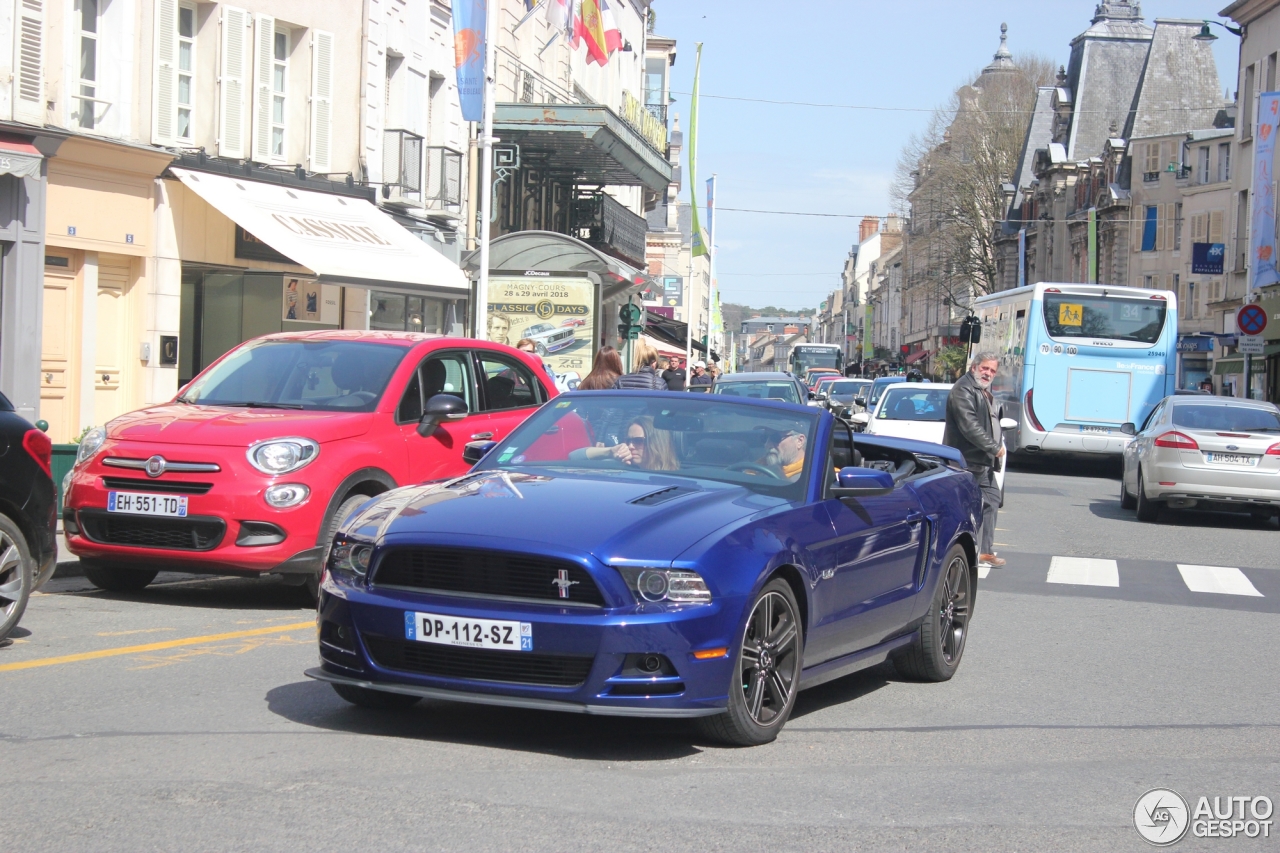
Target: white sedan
(917, 410)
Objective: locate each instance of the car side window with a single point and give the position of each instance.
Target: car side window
(508, 384)
(1152, 418)
(410, 410)
(448, 373)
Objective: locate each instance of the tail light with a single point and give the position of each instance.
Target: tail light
(1274, 450)
(1031, 413)
(40, 448)
(1177, 440)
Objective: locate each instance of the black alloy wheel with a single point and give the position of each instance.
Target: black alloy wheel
(936, 653)
(766, 674)
(17, 572)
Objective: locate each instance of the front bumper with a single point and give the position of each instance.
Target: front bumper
(609, 637)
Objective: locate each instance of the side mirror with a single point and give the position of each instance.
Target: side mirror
(1008, 423)
(812, 396)
(439, 409)
(861, 418)
(474, 451)
(854, 482)
(822, 397)
(861, 401)
(1128, 429)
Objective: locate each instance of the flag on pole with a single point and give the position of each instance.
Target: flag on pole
(558, 14)
(612, 35)
(468, 56)
(592, 31)
(699, 245)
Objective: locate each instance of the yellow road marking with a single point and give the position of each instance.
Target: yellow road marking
(153, 647)
(138, 631)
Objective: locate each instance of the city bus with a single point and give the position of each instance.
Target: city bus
(1077, 361)
(805, 356)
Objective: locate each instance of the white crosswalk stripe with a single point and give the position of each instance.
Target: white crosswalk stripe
(1084, 571)
(1225, 580)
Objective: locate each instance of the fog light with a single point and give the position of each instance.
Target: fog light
(650, 663)
(286, 495)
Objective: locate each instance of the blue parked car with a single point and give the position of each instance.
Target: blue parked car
(662, 555)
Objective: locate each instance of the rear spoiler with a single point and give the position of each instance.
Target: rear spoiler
(911, 445)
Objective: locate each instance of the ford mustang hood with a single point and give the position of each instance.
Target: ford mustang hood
(627, 517)
(221, 426)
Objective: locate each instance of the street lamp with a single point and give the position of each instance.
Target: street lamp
(1205, 35)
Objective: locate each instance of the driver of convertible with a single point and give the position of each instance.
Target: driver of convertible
(786, 453)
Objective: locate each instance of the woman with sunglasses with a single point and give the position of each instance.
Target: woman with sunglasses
(644, 447)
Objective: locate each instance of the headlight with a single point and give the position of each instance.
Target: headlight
(282, 455)
(350, 557)
(90, 444)
(285, 495)
(679, 587)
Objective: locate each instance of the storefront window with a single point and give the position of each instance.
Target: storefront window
(397, 312)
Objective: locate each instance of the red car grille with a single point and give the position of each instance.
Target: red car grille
(478, 664)
(140, 531)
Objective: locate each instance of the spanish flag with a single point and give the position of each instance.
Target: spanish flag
(593, 31)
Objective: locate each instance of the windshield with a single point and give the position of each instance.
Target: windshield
(772, 390)
(847, 390)
(1115, 318)
(539, 329)
(806, 357)
(322, 376)
(698, 438)
(913, 404)
(1226, 418)
(877, 388)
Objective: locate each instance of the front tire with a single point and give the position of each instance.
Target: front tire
(17, 569)
(117, 578)
(936, 653)
(766, 672)
(1148, 510)
(374, 700)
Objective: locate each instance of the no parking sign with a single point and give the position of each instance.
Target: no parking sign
(1251, 320)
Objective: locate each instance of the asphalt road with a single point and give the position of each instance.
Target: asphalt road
(179, 719)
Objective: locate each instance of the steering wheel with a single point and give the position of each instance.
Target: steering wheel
(751, 467)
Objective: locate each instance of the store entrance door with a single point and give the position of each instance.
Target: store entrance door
(59, 343)
(115, 279)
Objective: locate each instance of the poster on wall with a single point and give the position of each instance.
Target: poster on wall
(308, 301)
(554, 310)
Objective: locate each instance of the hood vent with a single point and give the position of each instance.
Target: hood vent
(661, 496)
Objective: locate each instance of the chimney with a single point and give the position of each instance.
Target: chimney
(870, 225)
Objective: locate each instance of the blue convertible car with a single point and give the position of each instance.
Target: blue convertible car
(656, 554)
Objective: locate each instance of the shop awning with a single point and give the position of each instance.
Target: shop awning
(588, 141)
(916, 356)
(18, 157)
(1235, 364)
(341, 240)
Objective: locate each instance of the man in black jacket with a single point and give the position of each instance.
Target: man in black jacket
(973, 428)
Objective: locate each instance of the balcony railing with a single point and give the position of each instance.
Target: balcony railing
(658, 111)
(444, 177)
(401, 162)
(602, 221)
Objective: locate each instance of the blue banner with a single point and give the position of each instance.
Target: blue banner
(1206, 258)
(1195, 343)
(468, 55)
(1262, 238)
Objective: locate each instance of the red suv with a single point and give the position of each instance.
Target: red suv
(250, 469)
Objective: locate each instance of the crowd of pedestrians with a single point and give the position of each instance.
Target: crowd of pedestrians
(650, 372)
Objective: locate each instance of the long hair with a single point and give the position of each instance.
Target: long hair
(643, 355)
(659, 454)
(605, 371)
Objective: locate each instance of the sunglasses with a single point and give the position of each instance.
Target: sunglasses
(635, 440)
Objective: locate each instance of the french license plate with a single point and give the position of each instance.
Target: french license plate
(1095, 430)
(141, 503)
(1231, 459)
(472, 633)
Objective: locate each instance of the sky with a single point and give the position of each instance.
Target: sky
(906, 54)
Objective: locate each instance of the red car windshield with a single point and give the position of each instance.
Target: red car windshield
(322, 376)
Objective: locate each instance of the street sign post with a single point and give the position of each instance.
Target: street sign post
(1250, 345)
(1251, 320)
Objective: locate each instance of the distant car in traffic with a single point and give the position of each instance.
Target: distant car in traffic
(1207, 453)
(28, 514)
(842, 397)
(761, 386)
(878, 385)
(251, 467)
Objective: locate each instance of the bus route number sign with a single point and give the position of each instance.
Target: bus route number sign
(1070, 314)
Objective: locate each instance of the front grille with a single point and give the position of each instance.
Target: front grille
(195, 533)
(125, 484)
(478, 664)
(488, 574)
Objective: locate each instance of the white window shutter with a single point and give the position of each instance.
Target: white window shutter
(233, 82)
(321, 101)
(28, 49)
(264, 38)
(164, 84)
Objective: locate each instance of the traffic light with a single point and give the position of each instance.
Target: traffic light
(631, 325)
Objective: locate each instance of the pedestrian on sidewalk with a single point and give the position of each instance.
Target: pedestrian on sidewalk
(700, 375)
(644, 375)
(973, 428)
(673, 375)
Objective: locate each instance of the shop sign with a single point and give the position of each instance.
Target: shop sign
(251, 248)
(673, 287)
(1206, 258)
(308, 301)
(645, 122)
(1195, 343)
(554, 311)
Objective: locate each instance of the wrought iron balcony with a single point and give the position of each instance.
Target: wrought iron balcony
(401, 163)
(599, 219)
(658, 111)
(444, 177)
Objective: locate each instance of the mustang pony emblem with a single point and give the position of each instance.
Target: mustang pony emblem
(562, 582)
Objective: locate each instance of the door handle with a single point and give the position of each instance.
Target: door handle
(481, 436)
(914, 517)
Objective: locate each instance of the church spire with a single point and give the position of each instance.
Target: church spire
(1002, 60)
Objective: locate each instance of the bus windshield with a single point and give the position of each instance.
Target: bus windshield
(1068, 315)
(805, 357)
